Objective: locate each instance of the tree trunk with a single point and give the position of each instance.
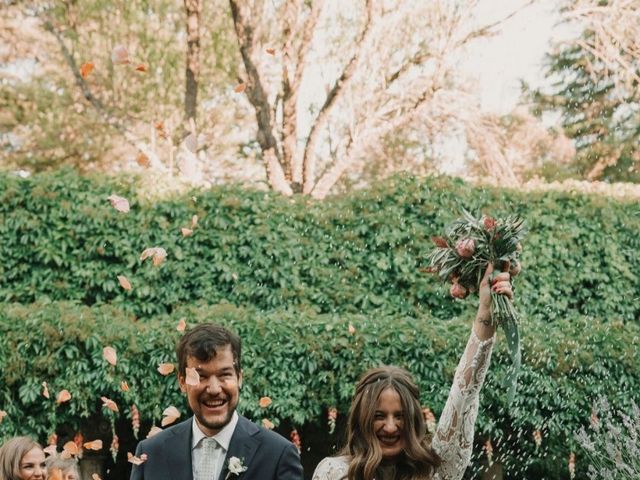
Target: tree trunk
(194, 10)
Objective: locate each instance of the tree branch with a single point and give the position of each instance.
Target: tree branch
(245, 33)
(333, 95)
(107, 117)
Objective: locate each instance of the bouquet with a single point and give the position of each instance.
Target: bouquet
(462, 256)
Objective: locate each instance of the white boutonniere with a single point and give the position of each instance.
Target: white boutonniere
(235, 467)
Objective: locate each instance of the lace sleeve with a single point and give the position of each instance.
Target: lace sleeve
(331, 468)
(453, 440)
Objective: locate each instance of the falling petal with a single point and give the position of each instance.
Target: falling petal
(154, 431)
(135, 460)
(120, 55)
(86, 69)
(109, 354)
(166, 368)
(264, 402)
(110, 404)
(93, 445)
(186, 232)
(121, 204)
(182, 324)
(267, 424)
(240, 88)
(193, 378)
(63, 396)
(124, 386)
(45, 390)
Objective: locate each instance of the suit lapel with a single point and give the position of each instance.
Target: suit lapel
(243, 445)
(178, 451)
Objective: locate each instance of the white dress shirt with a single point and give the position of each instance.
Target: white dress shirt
(215, 461)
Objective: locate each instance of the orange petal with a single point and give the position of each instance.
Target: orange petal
(193, 378)
(182, 324)
(240, 88)
(267, 424)
(121, 204)
(159, 256)
(141, 67)
(120, 55)
(124, 386)
(93, 445)
(135, 460)
(166, 368)
(50, 450)
(264, 402)
(109, 354)
(55, 474)
(186, 232)
(124, 283)
(2, 415)
(86, 69)
(70, 449)
(63, 396)
(110, 404)
(95, 476)
(143, 160)
(154, 431)
(271, 51)
(352, 329)
(168, 420)
(171, 412)
(45, 390)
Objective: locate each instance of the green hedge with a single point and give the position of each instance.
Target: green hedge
(307, 362)
(61, 240)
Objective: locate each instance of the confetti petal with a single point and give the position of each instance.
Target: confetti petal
(240, 88)
(93, 445)
(121, 204)
(166, 368)
(131, 458)
(110, 355)
(70, 449)
(194, 221)
(141, 67)
(271, 51)
(352, 329)
(95, 476)
(2, 415)
(154, 431)
(143, 160)
(264, 402)
(171, 414)
(124, 386)
(45, 390)
(63, 396)
(267, 424)
(120, 55)
(182, 325)
(86, 69)
(50, 450)
(124, 283)
(110, 404)
(193, 378)
(186, 232)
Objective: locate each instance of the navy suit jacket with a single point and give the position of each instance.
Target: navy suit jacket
(267, 455)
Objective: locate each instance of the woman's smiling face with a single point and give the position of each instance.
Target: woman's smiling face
(388, 423)
(32, 465)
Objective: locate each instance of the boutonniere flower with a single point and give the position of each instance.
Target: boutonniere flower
(235, 467)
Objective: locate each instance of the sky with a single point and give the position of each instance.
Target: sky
(499, 63)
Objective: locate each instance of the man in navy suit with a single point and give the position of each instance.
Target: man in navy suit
(216, 443)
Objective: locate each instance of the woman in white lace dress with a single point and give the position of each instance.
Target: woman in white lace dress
(386, 434)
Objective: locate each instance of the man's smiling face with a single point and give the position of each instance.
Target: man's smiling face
(216, 397)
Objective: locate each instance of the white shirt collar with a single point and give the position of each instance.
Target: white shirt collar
(223, 437)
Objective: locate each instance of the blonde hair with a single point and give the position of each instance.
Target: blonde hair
(11, 454)
(65, 465)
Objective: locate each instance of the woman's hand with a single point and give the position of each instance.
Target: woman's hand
(501, 284)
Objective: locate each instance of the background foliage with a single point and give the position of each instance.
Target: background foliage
(290, 275)
(61, 240)
(307, 363)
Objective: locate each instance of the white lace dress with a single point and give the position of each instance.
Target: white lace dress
(453, 440)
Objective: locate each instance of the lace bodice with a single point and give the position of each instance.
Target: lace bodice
(453, 440)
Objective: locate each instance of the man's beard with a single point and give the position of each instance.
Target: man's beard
(217, 425)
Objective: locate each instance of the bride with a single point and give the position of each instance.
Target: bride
(386, 435)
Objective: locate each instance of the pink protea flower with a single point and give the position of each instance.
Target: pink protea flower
(489, 223)
(466, 247)
(458, 291)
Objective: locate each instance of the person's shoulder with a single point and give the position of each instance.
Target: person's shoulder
(332, 468)
(159, 439)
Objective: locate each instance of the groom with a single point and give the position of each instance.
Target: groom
(216, 443)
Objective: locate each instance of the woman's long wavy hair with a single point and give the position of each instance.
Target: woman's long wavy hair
(418, 461)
